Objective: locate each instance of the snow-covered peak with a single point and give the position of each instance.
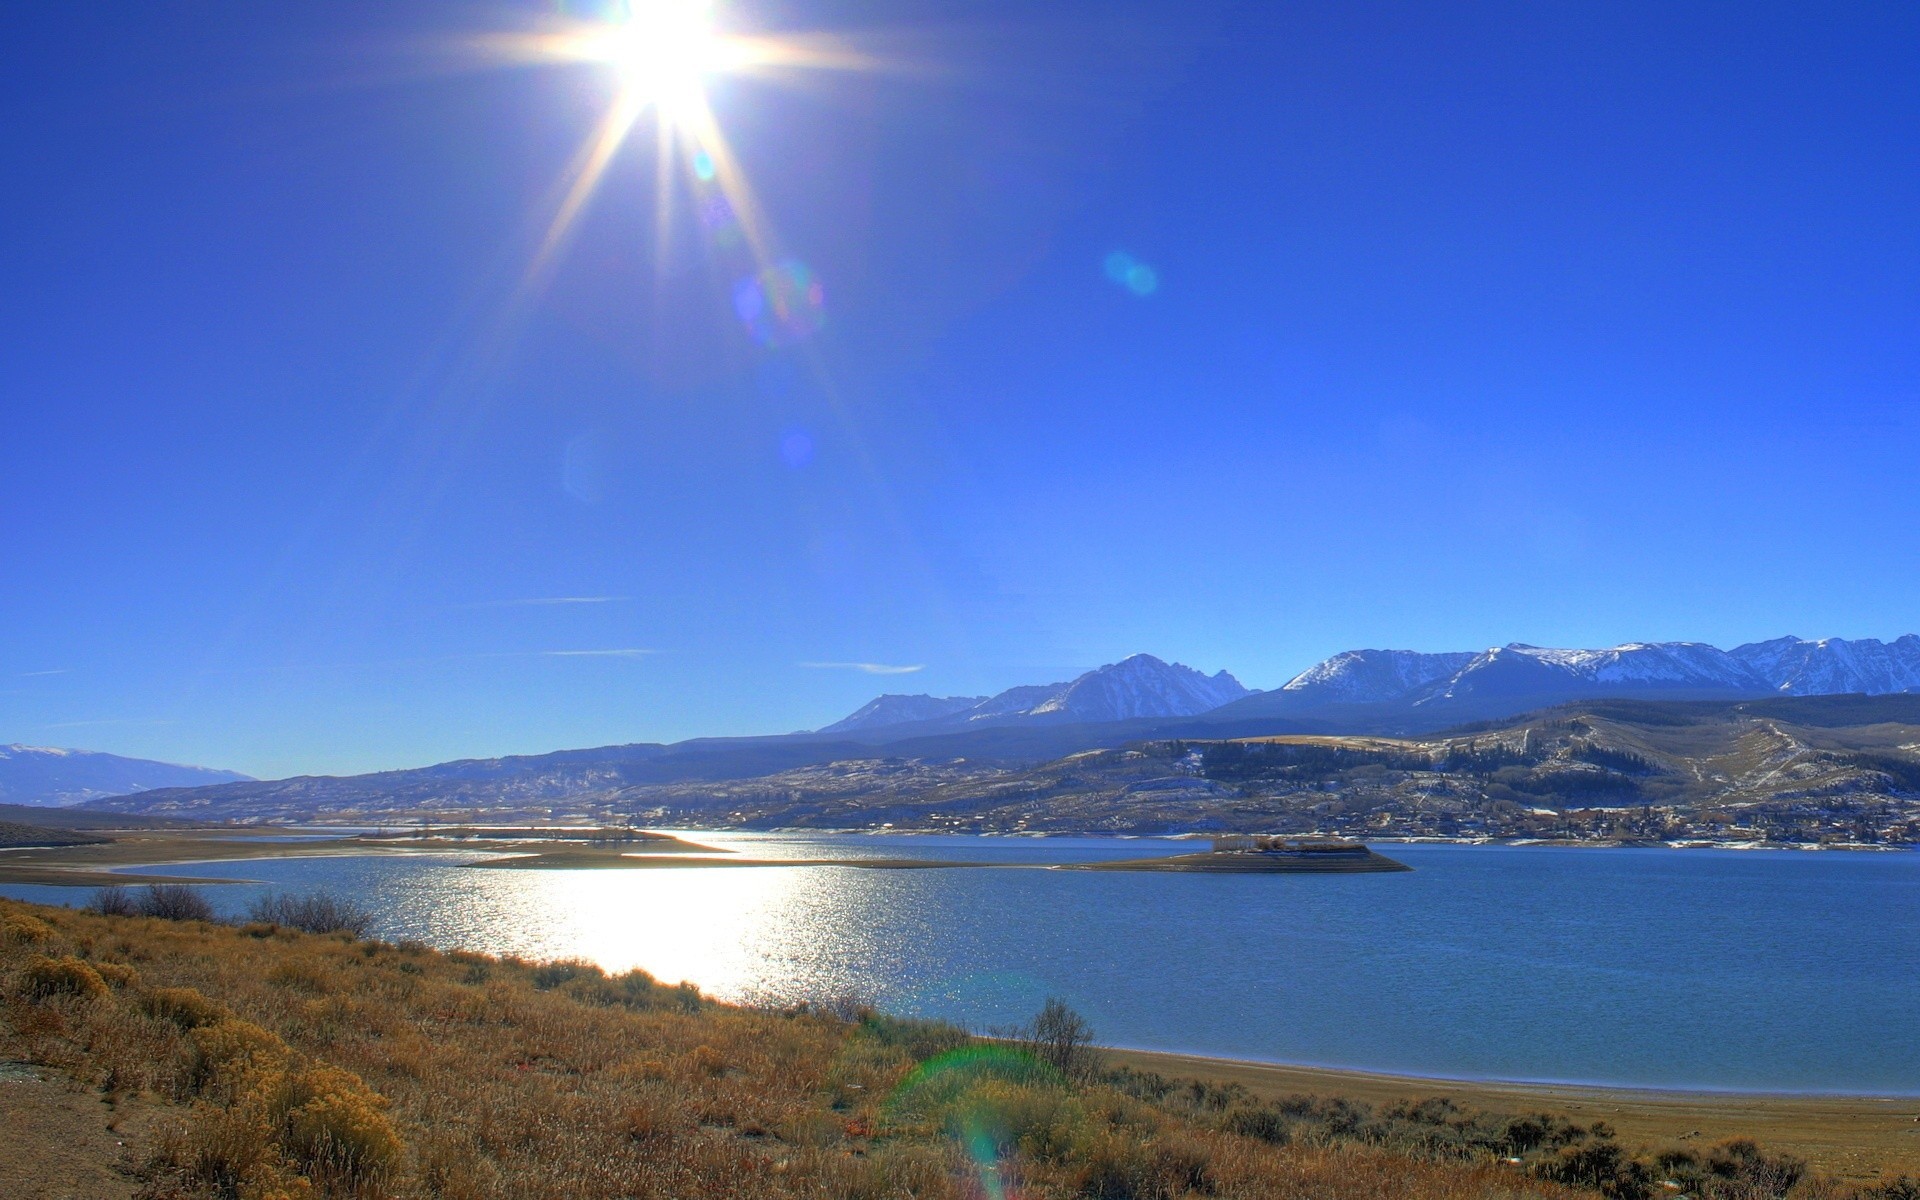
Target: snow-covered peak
(1141, 686)
(1375, 676)
(1138, 686)
(1831, 666)
(1683, 664)
(893, 709)
(50, 775)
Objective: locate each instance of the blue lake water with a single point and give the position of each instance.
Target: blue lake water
(1787, 971)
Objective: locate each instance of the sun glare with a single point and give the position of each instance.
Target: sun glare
(665, 50)
(663, 57)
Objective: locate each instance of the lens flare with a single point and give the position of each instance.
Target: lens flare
(782, 305)
(955, 1088)
(1132, 274)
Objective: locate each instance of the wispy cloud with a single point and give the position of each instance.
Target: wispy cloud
(621, 652)
(107, 721)
(546, 601)
(38, 674)
(866, 668)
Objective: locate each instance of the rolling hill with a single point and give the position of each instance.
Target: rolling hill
(1837, 769)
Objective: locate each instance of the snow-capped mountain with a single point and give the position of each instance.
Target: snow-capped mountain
(1405, 688)
(895, 709)
(1373, 676)
(47, 776)
(1139, 686)
(1797, 667)
(1692, 667)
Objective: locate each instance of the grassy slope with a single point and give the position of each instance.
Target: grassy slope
(377, 1070)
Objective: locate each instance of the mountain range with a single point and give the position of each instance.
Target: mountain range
(1365, 691)
(1374, 692)
(1403, 690)
(44, 775)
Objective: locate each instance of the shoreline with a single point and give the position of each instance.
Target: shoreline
(1855, 1135)
(1386, 839)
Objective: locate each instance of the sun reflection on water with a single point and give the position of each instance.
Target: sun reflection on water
(760, 933)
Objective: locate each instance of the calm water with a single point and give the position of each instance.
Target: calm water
(1705, 969)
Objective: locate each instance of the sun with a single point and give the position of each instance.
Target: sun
(663, 57)
(665, 51)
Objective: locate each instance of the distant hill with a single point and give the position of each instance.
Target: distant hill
(42, 775)
(1794, 769)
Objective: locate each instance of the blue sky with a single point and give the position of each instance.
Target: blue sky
(1470, 323)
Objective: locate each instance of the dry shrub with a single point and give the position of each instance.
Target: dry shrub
(707, 1061)
(1122, 1166)
(300, 975)
(185, 1007)
(114, 900)
(64, 976)
(337, 1126)
(173, 902)
(21, 929)
(1002, 1115)
(224, 1149)
(133, 1052)
(320, 912)
(230, 1056)
(118, 975)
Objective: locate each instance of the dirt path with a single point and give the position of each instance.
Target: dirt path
(61, 1142)
(1855, 1137)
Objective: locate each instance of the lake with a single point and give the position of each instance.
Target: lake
(1749, 970)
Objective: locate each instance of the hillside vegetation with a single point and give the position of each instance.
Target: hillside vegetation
(295, 1064)
(1810, 770)
(1825, 770)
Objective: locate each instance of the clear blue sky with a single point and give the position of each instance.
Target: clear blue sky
(1561, 323)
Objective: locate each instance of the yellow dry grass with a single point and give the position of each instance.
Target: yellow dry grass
(300, 1065)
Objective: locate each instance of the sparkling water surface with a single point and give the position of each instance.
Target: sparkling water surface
(1753, 970)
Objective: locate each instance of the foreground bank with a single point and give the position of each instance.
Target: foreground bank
(283, 1062)
(260, 1061)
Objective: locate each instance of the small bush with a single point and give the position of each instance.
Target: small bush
(919, 1040)
(1061, 1038)
(319, 912)
(183, 1006)
(1740, 1170)
(118, 975)
(174, 902)
(548, 976)
(46, 977)
(19, 929)
(999, 1116)
(1262, 1123)
(231, 1055)
(114, 900)
(1121, 1167)
(299, 975)
(1601, 1165)
(338, 1126)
